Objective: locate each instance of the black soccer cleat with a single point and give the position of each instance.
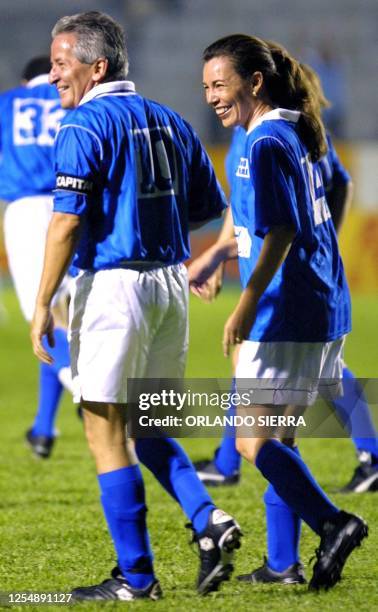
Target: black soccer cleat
(40, 445)
(294, 574)
(338, 540)
(365, 476)
(216, 545)
(116, 588)
(209, 474)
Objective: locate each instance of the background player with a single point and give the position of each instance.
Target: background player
(294, 307)
(131, 176)
(29, 119)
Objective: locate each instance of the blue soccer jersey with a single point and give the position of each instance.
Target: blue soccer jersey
(29, 120)
(137, 174)
(276, 184)
(235, 152)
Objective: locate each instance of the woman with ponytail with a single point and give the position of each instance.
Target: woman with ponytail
(294, 309)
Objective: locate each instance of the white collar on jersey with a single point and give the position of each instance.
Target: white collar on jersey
(41, 79)
(276, 113)
(113, 87)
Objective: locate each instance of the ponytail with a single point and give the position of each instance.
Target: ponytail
(291, 88)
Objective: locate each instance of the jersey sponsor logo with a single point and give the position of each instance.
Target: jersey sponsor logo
(36, 121)
(244, 241)
(157, 168)
(243, 168)
(315, 185)
(67, 182)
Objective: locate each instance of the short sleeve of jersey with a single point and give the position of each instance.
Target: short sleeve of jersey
(339, 174)
(78, 156)
(207, 200)
(273, 181)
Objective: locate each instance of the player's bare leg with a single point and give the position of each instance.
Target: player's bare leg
(104, 426)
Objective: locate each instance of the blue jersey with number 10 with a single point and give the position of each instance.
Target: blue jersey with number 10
(137, 174)
(275, 184)
(29, 119)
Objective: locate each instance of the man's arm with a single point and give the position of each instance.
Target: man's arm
(61, 240)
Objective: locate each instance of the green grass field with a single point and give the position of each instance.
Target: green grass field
(53, 536)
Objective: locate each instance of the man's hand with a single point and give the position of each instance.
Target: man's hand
(43, 323)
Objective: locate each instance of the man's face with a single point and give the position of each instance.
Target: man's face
(72, 78)
(227, 93)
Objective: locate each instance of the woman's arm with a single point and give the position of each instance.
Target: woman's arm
(275, 248)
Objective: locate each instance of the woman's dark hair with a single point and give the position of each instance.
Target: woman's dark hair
(285, 82)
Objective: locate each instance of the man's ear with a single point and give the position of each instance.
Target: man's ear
(100, 69)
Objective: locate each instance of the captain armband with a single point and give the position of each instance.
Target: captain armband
(67, 182)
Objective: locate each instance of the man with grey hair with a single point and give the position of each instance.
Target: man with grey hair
(132, 178)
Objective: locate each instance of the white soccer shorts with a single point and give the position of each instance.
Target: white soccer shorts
(25, 227)
(295, 373)
(125, 324)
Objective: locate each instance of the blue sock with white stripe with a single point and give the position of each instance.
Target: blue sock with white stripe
(123, 500)
(227, 459)
(353, 410)
(171, 466)
(283, 528)
(50, 391)
(295, 484)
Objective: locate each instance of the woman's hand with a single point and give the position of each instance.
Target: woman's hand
(240, 322)
(203, 267)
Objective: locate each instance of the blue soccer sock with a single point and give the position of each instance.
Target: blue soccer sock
(294, 483)
(171, 466)
(353, 410)
(60, 352)
(283, 528)
(50, 391)
(50, 387)
(227, 459)
(123, 500)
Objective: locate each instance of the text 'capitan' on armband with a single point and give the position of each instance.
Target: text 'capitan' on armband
(67, 182)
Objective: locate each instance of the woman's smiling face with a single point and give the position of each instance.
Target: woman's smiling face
(229, 95)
